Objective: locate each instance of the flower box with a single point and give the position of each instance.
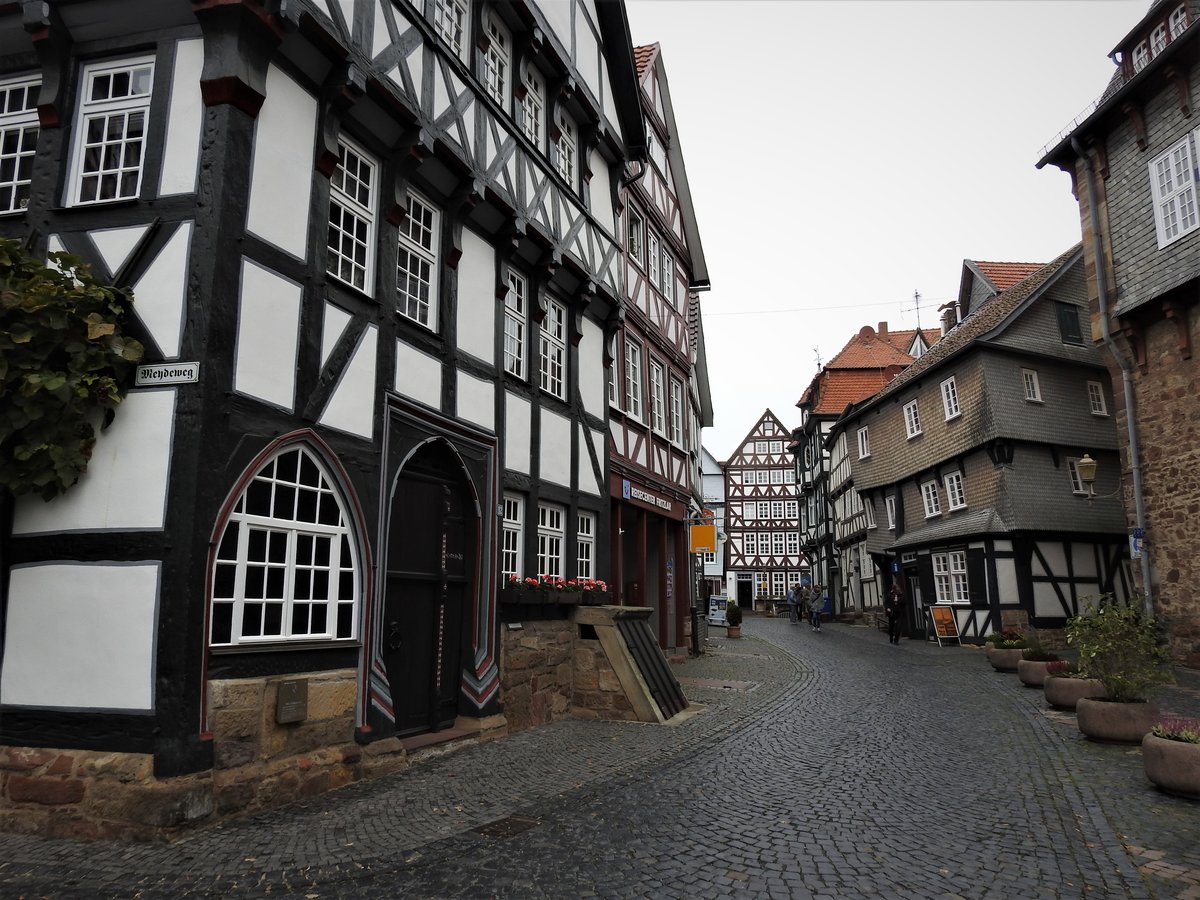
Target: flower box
(553, 591)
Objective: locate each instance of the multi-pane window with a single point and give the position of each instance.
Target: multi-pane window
(749, 510)
(776, 509)
(912, 419)
(933, 504)
(950, 577)
(762, 447)
(416, 263)
(449, 21)
(676, 434)
(763, 476)
(667, 285)
(1077, 485)
(1158, 40)
(956, 497)
(778, 476)
(1068, 323)
(286, 567)
(778, 587)
(635, 236)
(1033, 388)
(352, 218)
(889, 503)
(776, 446)
(585, 546)
(1096, 399)
(777, 543)
(750, 543)
(633, 379)
(516, 322)
(564, 157)
(864, 443)
(653, 257)
(710, 557)
(658, 397)
(1141, 56)
(553, 351)
(497, 60)
(1178, 20)
(762, 582)
(793, 543)
(533, 108)
(869, 510)
(512, 537)
(551, 537)
(111, 135)
(950, 399)
(18, 141)
(791, 509)
(1173, 186)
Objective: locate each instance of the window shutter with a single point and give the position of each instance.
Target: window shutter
(976, 578)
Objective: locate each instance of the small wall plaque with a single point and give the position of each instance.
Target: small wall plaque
(292, 703)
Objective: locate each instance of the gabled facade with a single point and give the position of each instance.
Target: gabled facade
(970, 471)
(384, 238)
(1134, 162)
(713, 476)
(762, 550)
(658, 380)
(831, 515)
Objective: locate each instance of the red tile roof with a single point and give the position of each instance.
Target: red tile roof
(869, 361)
(842, 387)
(867, 350)
(642, 57)
(1005, 274)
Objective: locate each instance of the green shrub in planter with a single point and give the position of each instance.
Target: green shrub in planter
(1122, 648)
(1035, 652)
(733, 614)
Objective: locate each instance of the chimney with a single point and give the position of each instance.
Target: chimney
(882, 331)
(949, 316)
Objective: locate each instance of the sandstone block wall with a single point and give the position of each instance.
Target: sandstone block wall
(536, 673)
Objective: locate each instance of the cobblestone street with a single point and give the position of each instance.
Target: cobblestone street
(822, 765)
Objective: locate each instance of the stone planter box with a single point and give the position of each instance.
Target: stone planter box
(1003, 660)
(1173, 766)
(1032, 672)
(1112, 720)
(1064, 691)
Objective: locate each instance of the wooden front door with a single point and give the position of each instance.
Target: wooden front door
(430, 567)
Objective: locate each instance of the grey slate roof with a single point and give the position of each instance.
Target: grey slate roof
(977, 521)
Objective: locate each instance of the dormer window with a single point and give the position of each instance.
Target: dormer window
(1178, 20)
(1141, 56)
(1158, 40)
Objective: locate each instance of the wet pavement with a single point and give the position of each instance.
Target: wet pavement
(820, 765)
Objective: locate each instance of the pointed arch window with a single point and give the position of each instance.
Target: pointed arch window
(286, 568)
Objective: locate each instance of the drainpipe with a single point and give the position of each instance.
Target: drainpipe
(1135, 458)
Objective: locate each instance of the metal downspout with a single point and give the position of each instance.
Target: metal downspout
(1135, 457)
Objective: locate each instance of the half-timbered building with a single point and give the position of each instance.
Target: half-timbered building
(380, 238)
(658, 385)
(762, 517)
(967, 462)
(831, 515)
(1133, 161)
(713, 477)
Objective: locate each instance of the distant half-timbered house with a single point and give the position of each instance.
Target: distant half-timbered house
(762, 517)
(658, 383)
(1134, 162)
(968, 464)
(383, 236)
(713, 476)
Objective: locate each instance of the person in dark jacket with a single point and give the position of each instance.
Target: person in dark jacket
(893, 606)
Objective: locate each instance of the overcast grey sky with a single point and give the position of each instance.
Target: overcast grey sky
(843, 155)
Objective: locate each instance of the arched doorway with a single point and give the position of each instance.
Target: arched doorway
(433, 529)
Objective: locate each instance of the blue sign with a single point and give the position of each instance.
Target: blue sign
(625, 489)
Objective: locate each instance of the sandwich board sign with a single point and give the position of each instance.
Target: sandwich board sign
(945, 626)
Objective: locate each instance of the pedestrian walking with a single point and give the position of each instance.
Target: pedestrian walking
(816, 603)
(893, 606)
(793, 603)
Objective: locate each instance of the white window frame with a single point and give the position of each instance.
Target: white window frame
(912, 419)
(1077, 485)
(96, 154)
(1178, 20)
(635, 237)
(1096, 401)
(566, 149)
(1174, 190)
(633, 379)
(585, 545)
(18, 119)
(1141, 56)
(776, 509)
(552, 538)
(929, 496)
(497, 59)
(290, 532)
(791, 509)
(864, 442)
(658, 397)
(869, 509)
(676, 423)
(417, 262)
(552, 350)
(950, 577)
(762, 448)
(956, 495)
(950, 399)
(749, 511)
(352, 203)
(450, 23)
(516, 323)
(667, 283)
(1033, 387)
(653, 257)
(793, 543)
(762, 476)
(533, 107)
(512, 541)
(1158, 39)
(750, 543)
(889, 504)
(778, 585)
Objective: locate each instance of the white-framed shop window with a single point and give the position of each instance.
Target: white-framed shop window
(352, 220)
(417, 263)
(512, 538)
(585, 546)
(551, 537)
(110, 131)
(950, 577)
(19, 130)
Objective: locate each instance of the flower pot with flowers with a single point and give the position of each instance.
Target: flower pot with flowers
(733, 621)
(1031, 668)
(549, 589)
(1123, 648)
(1004, 649)
(1065, 686)
(1171, 755)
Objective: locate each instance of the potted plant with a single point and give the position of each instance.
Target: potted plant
(1123, 649)
(1171, 755)
(1004, 649)
(1031, 667)
(1065, 685)
(550, 589)
(733, 621)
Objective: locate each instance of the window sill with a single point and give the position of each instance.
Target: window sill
(290, 646)
(913, 437)
(957, 415)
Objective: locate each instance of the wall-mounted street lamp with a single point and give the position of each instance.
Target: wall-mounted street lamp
(1086, 467)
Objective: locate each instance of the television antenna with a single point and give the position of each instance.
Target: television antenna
(916, 308)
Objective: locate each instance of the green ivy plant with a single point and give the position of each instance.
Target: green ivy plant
(1122, 647)
(65, 364)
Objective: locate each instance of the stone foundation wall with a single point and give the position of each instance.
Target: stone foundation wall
(598, 693)
(535, 672)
